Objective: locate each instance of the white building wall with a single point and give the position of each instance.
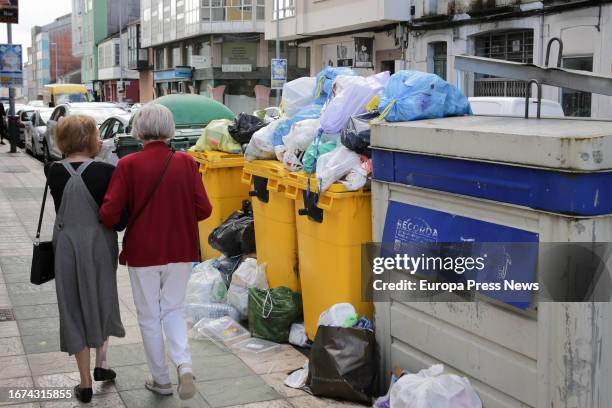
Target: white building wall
(578, 30)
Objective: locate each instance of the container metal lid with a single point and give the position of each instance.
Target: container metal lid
(564, 144)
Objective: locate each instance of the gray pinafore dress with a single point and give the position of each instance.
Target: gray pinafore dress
(85, 269)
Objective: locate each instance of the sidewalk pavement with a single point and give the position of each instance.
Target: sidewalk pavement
(29, 331)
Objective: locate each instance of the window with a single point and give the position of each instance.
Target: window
(438, 58)
(517, 46)
(577, 103)
(261, 10)
(176, 57)
(286, 9)
(117, 54)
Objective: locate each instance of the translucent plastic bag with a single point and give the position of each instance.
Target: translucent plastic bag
(351, 97)
(309, 155)
(216, 137)
(248, 275)
(198, 311)
(325, 80)
(297, 141)
(205, 284)
(431, 388)
(312, 111)
(414, 95)
(224, 329)
(260, 146)
(339, 315)
(297, 94)
(333, 166)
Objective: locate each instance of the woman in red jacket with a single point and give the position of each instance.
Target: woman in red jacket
(163, 194)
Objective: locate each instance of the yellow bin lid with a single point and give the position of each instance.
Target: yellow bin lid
(215, 159)
(272, 170)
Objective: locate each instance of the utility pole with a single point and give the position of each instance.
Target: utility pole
(120, 94)
(13, 131)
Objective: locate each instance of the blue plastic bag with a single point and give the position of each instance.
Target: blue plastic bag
(312, 111)
(414, 95)
(325, 79)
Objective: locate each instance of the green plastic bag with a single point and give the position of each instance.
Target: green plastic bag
(272, 312)
(216, 137)
(309, 160)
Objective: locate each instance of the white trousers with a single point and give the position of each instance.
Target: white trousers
(159, 296)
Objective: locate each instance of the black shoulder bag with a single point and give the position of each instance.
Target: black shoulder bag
(43, 261)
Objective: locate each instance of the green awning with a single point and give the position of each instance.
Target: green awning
(191, 110)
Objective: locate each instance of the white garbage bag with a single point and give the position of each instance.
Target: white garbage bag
(205, 284)
(260, 146)
(357, 178)
(297, 94)
(297, 141)
(351, 97)
(248, 275)
(298, 378)
(297, 335)
(334, 165)
(339, 315)
(430, 388)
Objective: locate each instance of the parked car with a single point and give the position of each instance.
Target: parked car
(100, 111)
(24, 118)
(35, 131)
(514, 106)
(116, 124)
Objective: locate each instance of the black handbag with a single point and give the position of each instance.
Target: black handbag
(43, 259)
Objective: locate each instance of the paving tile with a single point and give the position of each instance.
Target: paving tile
(28, 289)
(32, 327)
(110, 400)
(9, 329)
(38, 299)
(26, 405)
(70, 380)
(41, 343)
(146, 399)
(126, 354)
(51, 363)
(131, 377)
(15, 263)
(281, 403)
(10, 346)
(17, 276)
(310, 401)
(13, 367)
(132, 336)
(277, 381)
(35, 311)
(218, 367)
(236, 391)
(21, 382)
(272, 365)
(201, 348)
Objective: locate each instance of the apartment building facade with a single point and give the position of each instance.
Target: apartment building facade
(118, 83)
(51, 54)
(362, 34)
(515, 31)
(94, 21)
(213, 47)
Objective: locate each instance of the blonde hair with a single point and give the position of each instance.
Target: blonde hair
(77, 133)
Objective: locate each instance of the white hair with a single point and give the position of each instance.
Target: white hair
(153, 122)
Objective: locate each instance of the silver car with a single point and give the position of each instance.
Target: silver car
(24, 118)
(35, 131)
(100, 111)
(111, 127)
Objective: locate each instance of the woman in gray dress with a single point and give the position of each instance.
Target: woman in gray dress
(86, 252)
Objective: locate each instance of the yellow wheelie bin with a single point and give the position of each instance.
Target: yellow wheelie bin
(221, 175)
(274, 217)
(331, 227)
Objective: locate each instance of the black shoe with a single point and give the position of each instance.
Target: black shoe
(104, 374)
(83, 394)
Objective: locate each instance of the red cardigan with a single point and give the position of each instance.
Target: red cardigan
(167, 230)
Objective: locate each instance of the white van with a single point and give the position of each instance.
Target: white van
(514, 106)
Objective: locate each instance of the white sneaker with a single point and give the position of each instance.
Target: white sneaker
(186, 386)
(161, 389)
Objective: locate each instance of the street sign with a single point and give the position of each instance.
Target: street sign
(9, 11)
(279, 73)
(11, 71)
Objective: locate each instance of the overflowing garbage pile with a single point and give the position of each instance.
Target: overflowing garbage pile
(324, 126)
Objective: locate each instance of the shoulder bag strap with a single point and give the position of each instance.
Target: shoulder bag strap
(42, 211)
(153, 190)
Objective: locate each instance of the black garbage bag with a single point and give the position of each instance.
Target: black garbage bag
(236, 235)
(343, 364)
(356, 135)
(244, 126)
(227, 267)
